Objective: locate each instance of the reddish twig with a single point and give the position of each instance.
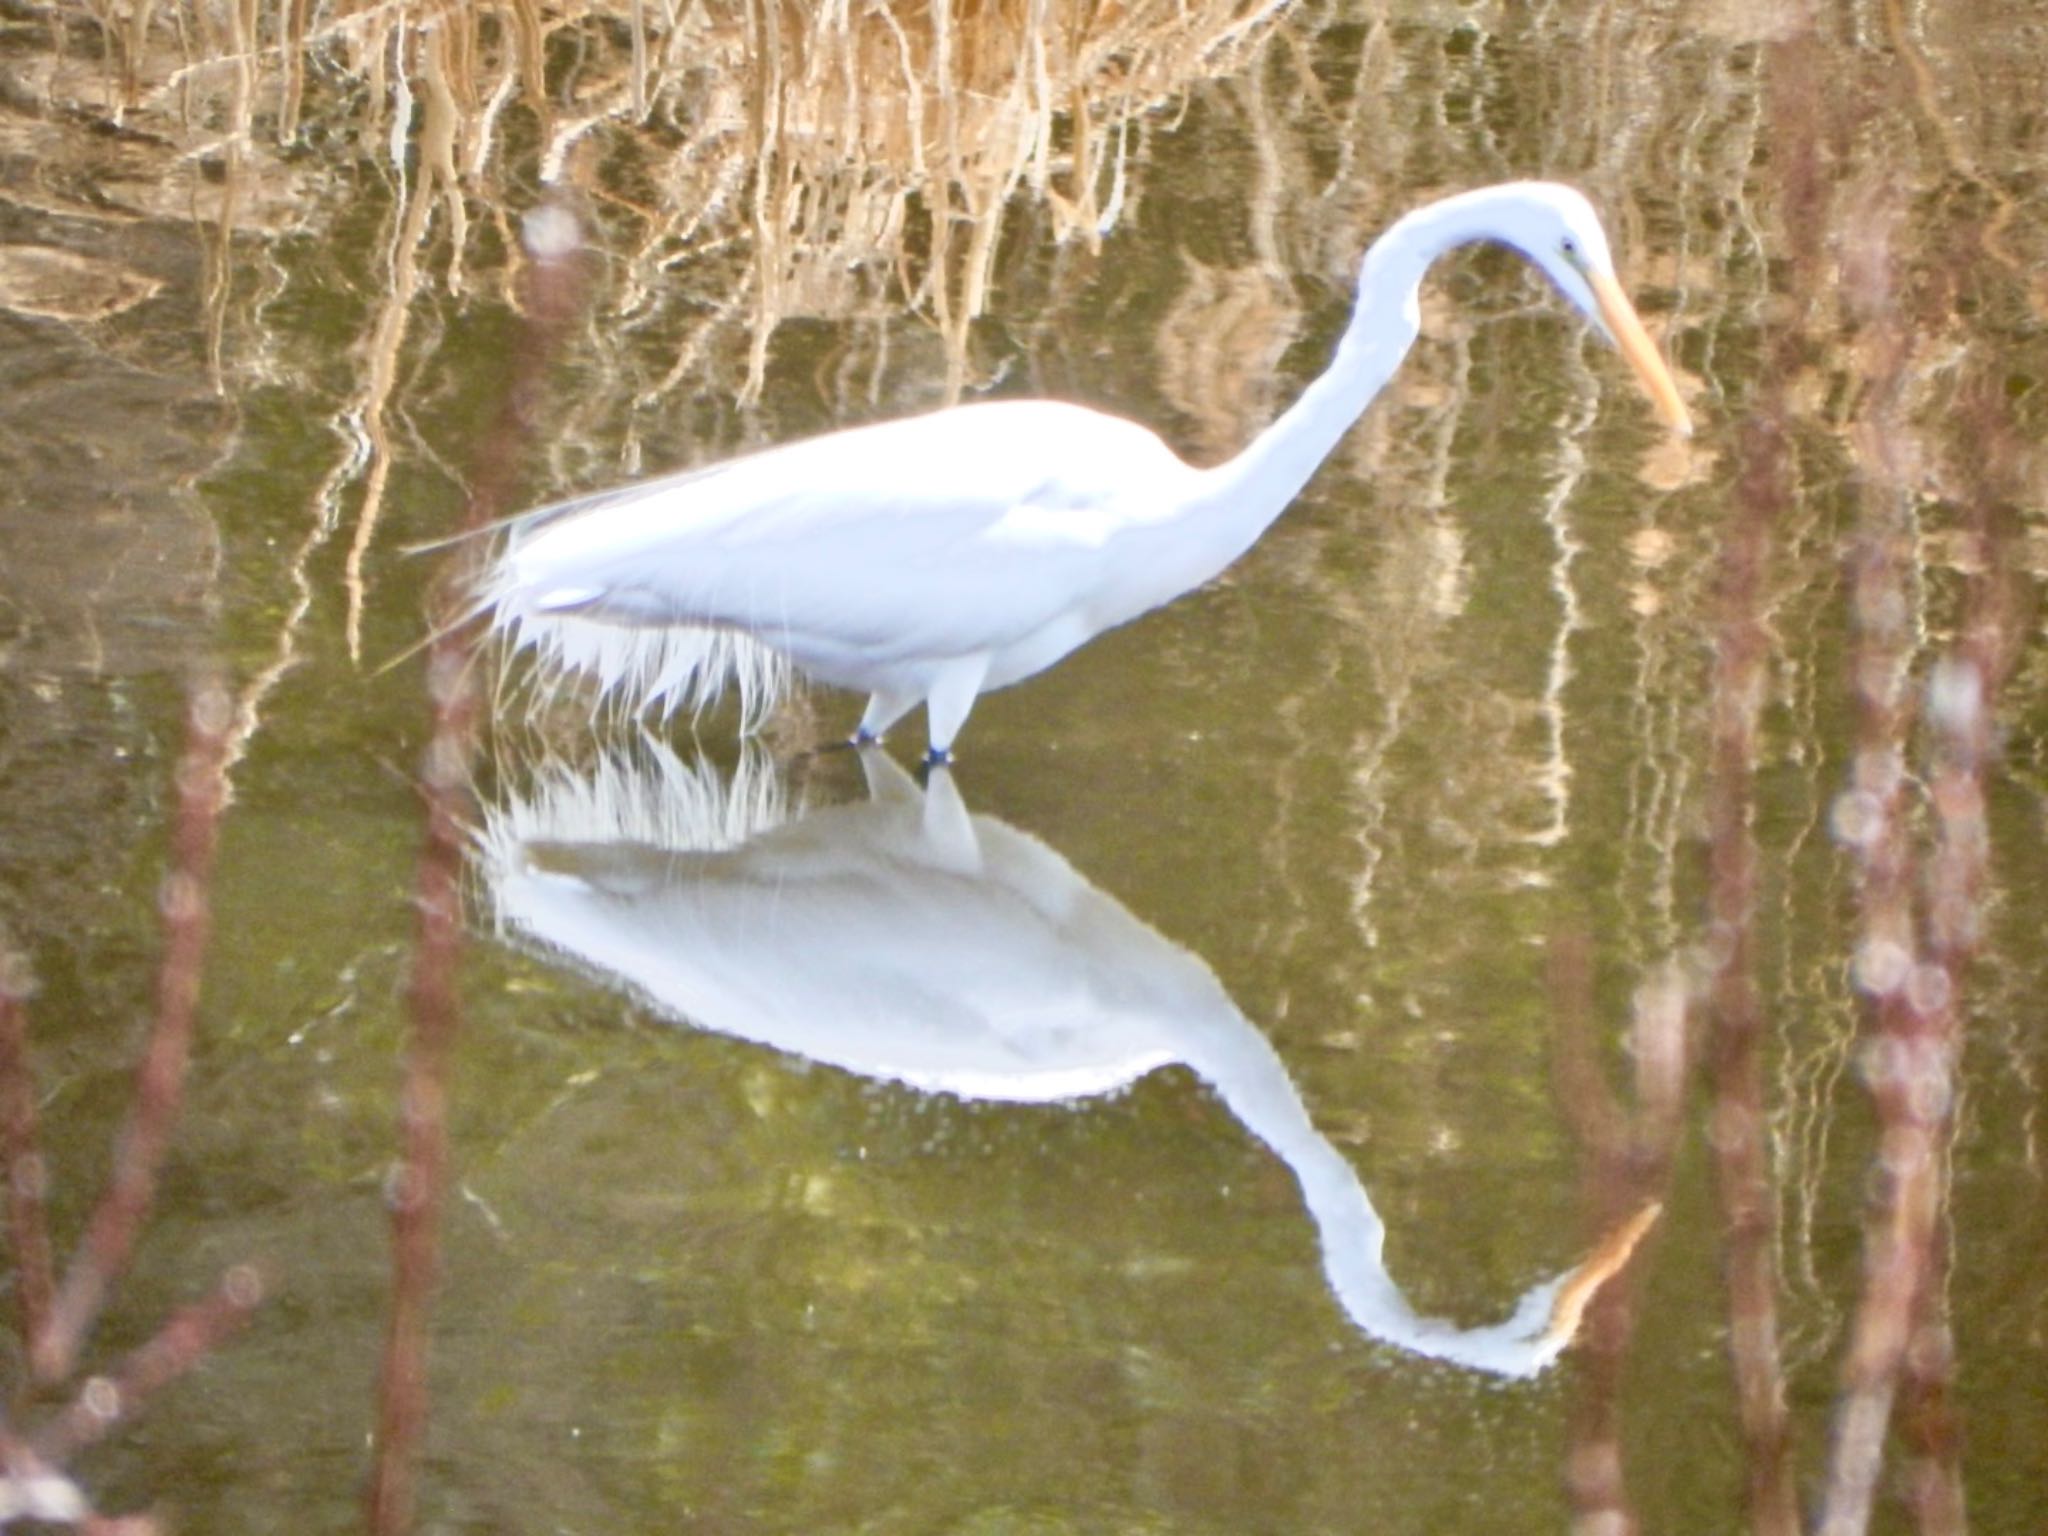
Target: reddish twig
(553, 281)
(1910, 987)
(192, 1332)
(1902, 1054)
(1737, 1128)
(33, 1484)
(159, 1087)
(1961, 693)
(1734, 1057)
(1741, 648)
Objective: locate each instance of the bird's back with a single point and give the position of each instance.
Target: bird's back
(967, 466)
(848, 534)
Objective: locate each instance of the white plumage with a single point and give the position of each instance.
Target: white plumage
(930, 559)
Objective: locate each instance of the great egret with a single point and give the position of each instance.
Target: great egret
(932, 558)
(904, 938)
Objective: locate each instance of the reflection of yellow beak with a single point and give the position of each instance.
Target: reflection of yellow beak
(1640, 351)
(1606, 1260)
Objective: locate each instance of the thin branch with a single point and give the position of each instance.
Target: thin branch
(1962, 692)
(1738, 1128)
(106, 1401)
(554, 280)
(159, 1089)
(1909, 988)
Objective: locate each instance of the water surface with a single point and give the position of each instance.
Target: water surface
(1448, 720)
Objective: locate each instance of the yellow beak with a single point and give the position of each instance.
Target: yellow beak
(1640, 351)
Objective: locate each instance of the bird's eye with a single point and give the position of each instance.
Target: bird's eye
(1571, 246)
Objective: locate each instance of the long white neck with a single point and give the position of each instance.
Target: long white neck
(1242, 1067)
(1240, 499)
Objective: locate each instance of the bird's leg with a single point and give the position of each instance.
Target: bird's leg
(951, 697)
(883, 711)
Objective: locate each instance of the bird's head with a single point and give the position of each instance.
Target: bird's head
(1556, 229)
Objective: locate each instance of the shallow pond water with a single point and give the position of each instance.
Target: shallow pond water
(838, 1150)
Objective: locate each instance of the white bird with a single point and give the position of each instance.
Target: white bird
(907, 939)
(932, 558)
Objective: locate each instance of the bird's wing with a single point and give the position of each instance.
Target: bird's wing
(928, 536)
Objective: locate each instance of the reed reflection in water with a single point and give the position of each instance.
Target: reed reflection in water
(904, 938)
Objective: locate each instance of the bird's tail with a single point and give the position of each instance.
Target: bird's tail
(639, 668)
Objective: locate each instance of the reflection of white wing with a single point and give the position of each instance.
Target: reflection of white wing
(902, 938)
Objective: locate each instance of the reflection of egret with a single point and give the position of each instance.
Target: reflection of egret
(931, 558)
(903, 938)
